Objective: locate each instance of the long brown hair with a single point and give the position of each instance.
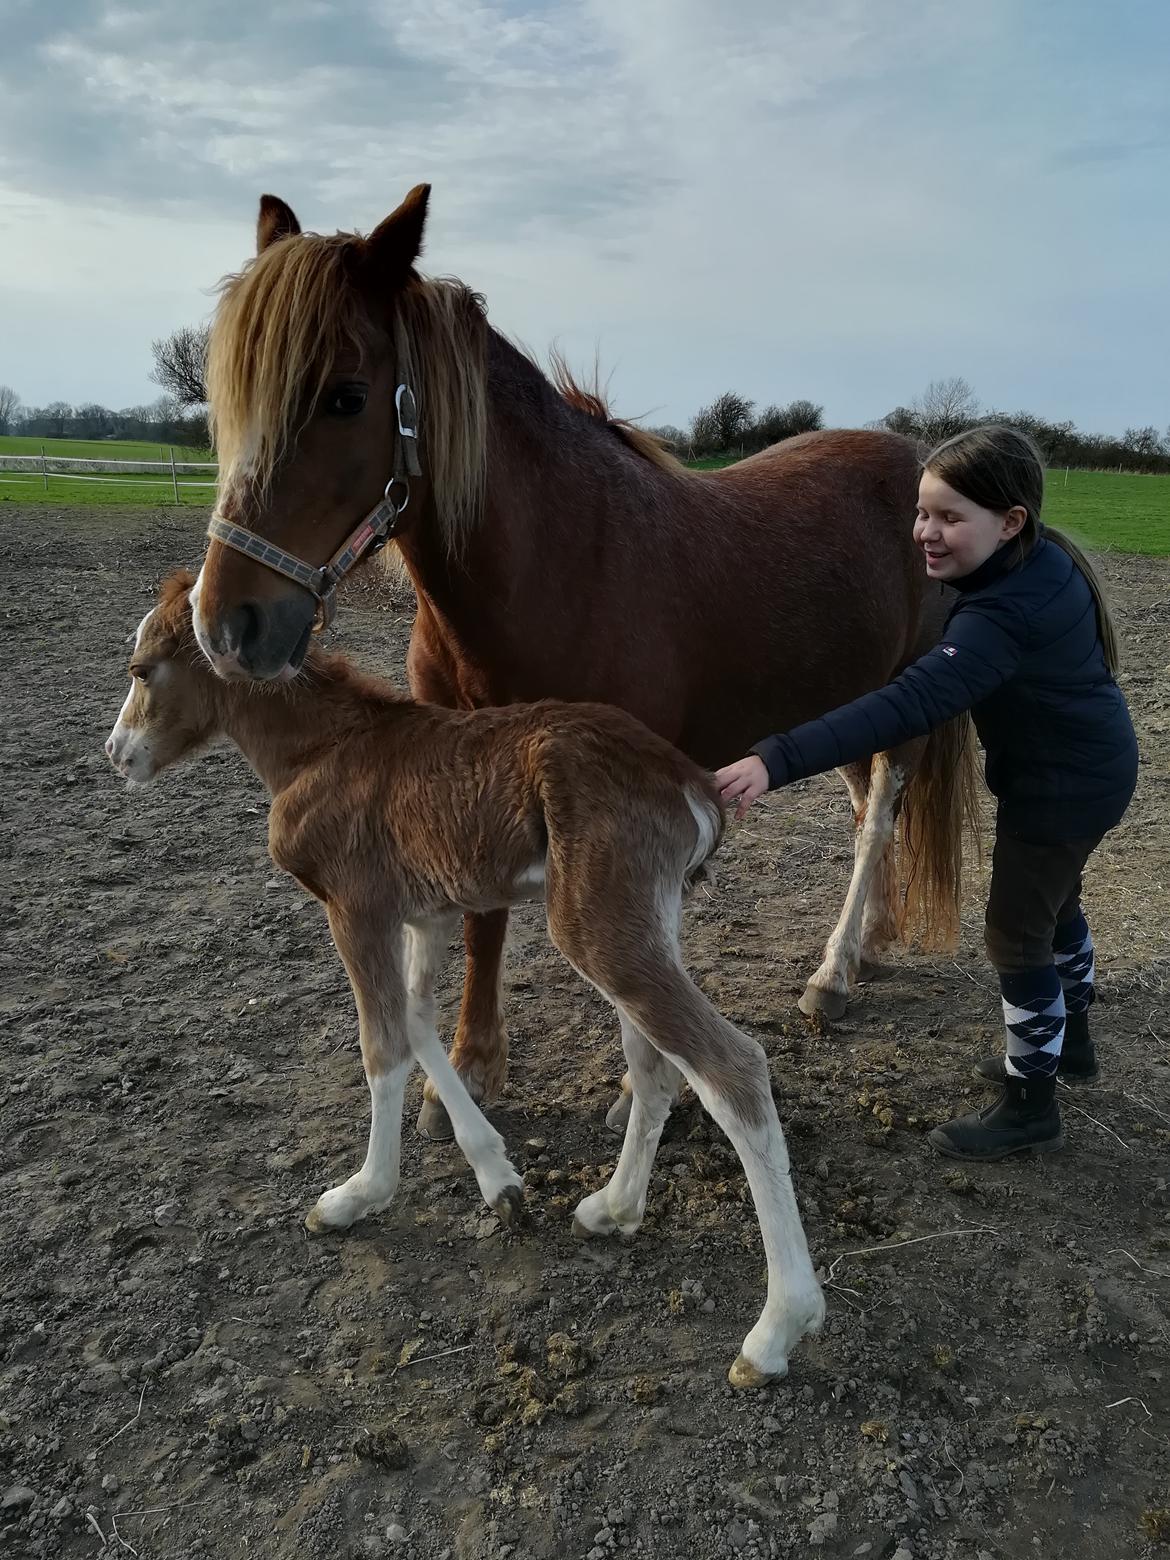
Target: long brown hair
(999, 469)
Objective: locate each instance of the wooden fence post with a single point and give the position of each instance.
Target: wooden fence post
(44, 468)
(174, 475)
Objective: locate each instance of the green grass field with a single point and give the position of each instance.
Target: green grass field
(144, 487)
(1106, 510)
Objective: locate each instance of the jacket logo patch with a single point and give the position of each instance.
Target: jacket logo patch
(949, 649)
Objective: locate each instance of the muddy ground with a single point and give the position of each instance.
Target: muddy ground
(184, 1373)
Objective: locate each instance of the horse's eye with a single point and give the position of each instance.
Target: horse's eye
(140, 673)
(346, 401)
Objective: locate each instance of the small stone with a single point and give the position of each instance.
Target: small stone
(110, 1484)
(396, 1534)
(737, 1534)
(166, 1213)
(902, 1553)
(16, 1497)
(537, 1145)
(63, 1509)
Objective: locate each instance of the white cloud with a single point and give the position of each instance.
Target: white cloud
(841, 199)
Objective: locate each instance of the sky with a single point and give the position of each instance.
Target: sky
(833, 199)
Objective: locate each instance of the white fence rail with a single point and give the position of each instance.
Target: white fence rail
(81, 468)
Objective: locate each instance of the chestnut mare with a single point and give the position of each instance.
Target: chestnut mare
(557, 552)
(399, 815)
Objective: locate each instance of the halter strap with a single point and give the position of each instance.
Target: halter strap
(371, 533)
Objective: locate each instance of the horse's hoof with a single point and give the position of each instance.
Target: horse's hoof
(828, 1004)
(434, 1122)
(509, 1206)
(617, 1117)
(582, 1231)
(745, 1376)
(316, 1225)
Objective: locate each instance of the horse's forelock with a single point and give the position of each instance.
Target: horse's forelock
(281, 324)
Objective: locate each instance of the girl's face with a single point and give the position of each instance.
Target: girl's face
(955, 535)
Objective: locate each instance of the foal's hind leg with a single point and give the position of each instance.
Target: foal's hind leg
(483, 1147)
(635, 961)
(828, 990)
(620, 1204)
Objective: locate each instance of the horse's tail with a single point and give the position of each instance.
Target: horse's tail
(939, 809)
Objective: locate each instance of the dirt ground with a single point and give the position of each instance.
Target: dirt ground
(184, 1373)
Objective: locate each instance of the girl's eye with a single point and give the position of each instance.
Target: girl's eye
(346, 401)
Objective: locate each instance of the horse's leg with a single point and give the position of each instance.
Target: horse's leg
(635, 961)
(879, 925)
(828, 990)
(372, 955)
(653, 1084)
(499, 1181)
(479, 1053)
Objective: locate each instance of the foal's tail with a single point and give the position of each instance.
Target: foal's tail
(940, 807)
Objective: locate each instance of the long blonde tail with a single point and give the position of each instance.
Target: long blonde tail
(939, 810)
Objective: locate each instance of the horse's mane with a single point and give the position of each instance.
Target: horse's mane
(286, 317)
(592, 400)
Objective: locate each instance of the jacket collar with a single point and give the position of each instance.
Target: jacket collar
(1002, 561)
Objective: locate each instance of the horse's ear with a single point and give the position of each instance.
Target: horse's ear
(394, 245)
(276, 220)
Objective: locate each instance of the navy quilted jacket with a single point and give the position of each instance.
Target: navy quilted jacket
(1021, 650)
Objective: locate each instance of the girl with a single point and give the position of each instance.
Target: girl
(1030, 650)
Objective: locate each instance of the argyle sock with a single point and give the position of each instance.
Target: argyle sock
(1033, 1011)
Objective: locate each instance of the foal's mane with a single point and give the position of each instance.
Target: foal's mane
(284, 320)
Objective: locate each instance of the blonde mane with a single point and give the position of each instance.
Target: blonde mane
(591, 399)
(281, 325)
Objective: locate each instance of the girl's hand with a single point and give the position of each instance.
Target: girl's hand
(742, 783)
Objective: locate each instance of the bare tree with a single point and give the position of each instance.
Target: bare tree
(180, 364)
(9, 405)
(947, 407)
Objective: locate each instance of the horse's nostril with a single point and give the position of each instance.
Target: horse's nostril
(109, 747)
(243, 630)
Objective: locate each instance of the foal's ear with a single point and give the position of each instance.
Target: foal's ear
(394, 245)
(276, 220)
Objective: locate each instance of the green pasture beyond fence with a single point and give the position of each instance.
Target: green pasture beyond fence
(1122, 511)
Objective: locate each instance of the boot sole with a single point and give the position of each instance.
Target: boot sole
(1048, 1146)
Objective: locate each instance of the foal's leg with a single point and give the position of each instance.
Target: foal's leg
(479, 1052)
(828, 990)
(483, 1147)
(372, 956)
(632, 955)
(653, 1082)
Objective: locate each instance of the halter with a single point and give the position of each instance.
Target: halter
(370, 535)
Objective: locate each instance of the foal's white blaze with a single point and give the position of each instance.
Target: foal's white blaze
(125, 744)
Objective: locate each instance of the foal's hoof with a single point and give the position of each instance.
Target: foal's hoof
(508, 1207)
(829, 1004)
(746, 1377)
(434, 1122)
(617, 1117)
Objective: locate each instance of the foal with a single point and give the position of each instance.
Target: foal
(400, 817)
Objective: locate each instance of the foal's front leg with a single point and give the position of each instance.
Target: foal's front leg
(499, 1181)
(372, 953)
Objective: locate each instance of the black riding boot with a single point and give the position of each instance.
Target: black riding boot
(1078, 1056)
(1025, 1119)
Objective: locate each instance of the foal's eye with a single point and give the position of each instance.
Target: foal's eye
(346, 401)
(140, 673)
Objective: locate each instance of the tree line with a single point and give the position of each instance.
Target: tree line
(730, 425)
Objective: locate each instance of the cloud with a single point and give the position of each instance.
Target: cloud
(840, 198)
